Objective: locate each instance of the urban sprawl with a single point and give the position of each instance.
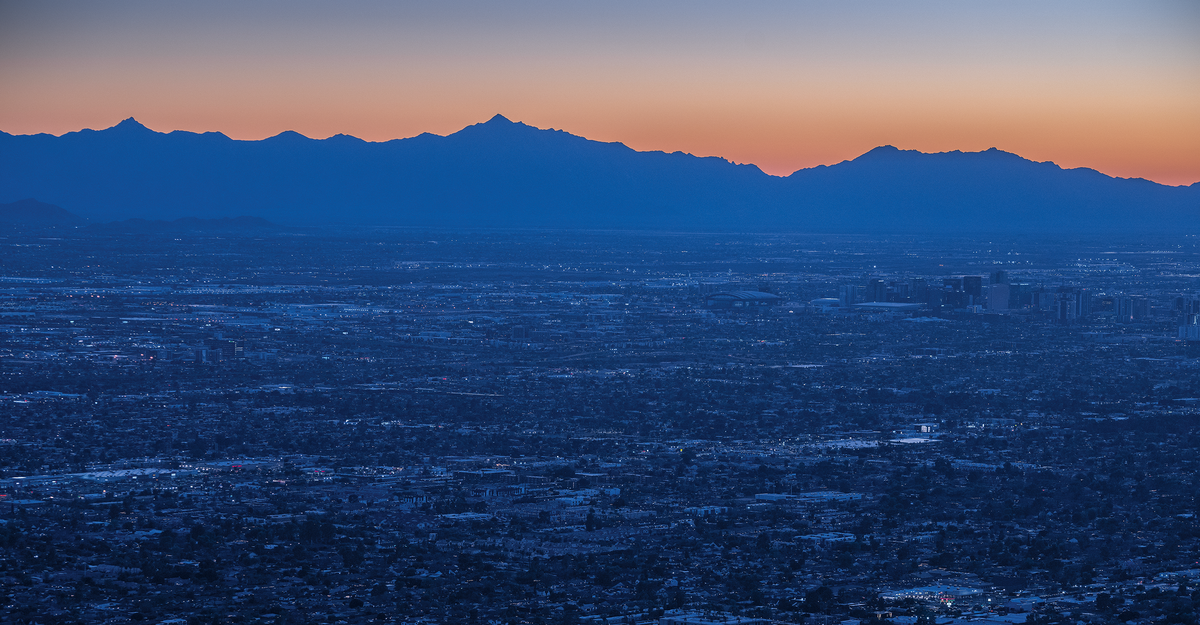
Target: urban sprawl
(540, 427)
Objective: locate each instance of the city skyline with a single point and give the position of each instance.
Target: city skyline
(786, 87)
(771, 313)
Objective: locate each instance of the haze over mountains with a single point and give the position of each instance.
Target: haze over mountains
(31, 212)
(506, 174)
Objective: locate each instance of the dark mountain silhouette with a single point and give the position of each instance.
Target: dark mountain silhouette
(898, 190)
(31, 212)
(506, 174)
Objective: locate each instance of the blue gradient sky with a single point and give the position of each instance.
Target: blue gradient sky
(785, 85)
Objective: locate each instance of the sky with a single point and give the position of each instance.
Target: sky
(785, 85)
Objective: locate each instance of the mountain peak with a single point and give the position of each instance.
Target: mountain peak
(883, 152)
(501, 173)
(288, 135)
(131, 125)
(498, 127)
(888, 152)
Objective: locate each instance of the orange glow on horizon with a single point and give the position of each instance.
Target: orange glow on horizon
(778, 154)
(783, 85)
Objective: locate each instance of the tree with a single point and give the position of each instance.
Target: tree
(820, 600)
(763, 544)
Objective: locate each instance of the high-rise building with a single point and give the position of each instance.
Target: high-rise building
(998, 297)
(224, 350)
(1066, 307)
(918, 290)
(1187, 305)
(1021, 295)
(1190, 330)
(1129, 308)
(1045, 300)
(876, 290)
(1083, 301)
(973, 286)
(847, 295)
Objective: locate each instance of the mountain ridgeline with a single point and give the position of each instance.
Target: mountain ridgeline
(510, 175)
(30, 212)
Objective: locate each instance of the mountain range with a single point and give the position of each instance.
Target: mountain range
(30, 212)
(510, 175)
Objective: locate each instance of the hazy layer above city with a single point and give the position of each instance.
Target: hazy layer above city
(236, 421)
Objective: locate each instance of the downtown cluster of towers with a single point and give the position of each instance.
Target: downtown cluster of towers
(997, 292)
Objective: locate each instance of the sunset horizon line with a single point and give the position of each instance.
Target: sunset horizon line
(494, 117)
